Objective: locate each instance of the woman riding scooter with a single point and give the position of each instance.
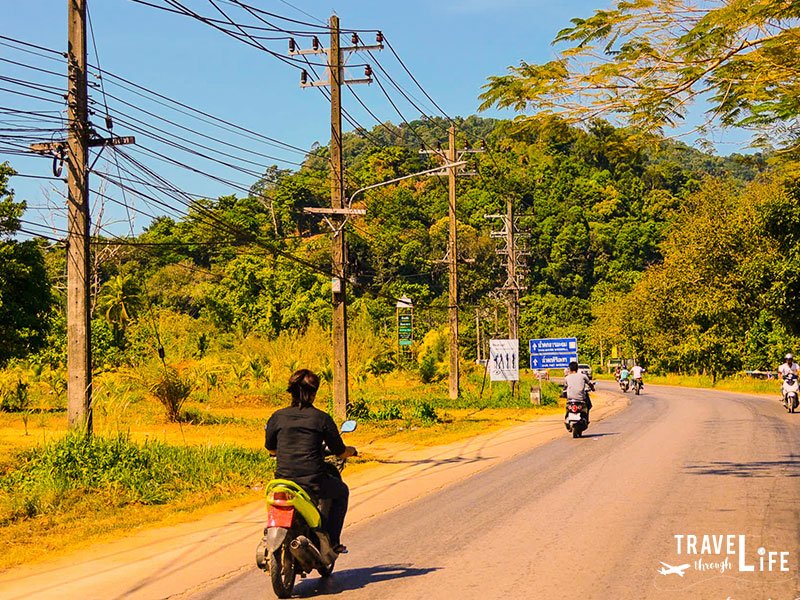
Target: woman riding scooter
(297, 436)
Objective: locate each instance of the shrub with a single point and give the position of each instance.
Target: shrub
(426, 413)
(172, 391)
(16, 399)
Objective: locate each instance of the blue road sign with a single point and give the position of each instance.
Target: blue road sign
(554, 346)
(552, 361)
(553, 353)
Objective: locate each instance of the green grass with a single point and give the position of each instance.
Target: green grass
(55, 477)
(737, 383)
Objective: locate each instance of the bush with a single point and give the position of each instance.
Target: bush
(51, 478)
(172, 391)
(16, 399)
(426, 413)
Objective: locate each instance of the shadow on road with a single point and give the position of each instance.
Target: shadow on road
(354, 579)
(596, 435)
(790, 467)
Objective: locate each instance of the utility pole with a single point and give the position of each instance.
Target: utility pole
(452, 160)
(512, 285)
(79, 343)
(75, 152)
(339, 210)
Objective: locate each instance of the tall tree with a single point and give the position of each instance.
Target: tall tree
(24, 287)
(647, 60)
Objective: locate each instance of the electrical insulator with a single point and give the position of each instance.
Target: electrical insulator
(368, 71)
(483, 144)
(292, 46)
(303, 77)
(439, 146)
(466, 145)
(354, 39)
(315, 43)
(109, 123)
(379, 37)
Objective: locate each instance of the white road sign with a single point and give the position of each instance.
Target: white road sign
(504, 360)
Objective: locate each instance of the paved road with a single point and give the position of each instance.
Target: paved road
(593, 518)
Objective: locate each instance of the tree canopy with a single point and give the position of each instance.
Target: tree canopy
(647, 61)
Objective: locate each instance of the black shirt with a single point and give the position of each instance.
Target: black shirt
(297, 435)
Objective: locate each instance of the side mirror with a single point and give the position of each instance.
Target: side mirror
(349, 426)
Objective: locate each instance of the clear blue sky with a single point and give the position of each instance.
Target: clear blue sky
(451, 46)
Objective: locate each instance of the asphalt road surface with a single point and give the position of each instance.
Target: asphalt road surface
(595, 517)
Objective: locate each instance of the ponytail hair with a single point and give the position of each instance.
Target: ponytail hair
(303, 386)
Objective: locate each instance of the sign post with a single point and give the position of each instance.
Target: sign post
(504, 360)
(405, 327)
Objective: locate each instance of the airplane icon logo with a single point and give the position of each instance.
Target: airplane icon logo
(680, 570)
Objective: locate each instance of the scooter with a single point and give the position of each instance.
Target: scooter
(577, 417)
(625, 384)
(791, 391)
(293, 541)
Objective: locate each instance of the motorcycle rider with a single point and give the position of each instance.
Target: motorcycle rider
(636, 373)
(296, 436)
(576, 385)
(789, 367)
(617, 371)
(624, 374)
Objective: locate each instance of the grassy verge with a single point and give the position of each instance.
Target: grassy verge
(59, 493)
(742, 384)
(72, 490)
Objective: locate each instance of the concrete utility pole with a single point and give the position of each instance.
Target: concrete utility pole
(452, 266)
(452, 161)
(79, 343)
(339, 210)
(511, 272)
(341, 400)
(512, 285)
(75, 152)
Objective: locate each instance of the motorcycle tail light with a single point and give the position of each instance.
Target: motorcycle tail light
(282, 498)
(575, 408)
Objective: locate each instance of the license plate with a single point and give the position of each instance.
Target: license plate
(573, 417)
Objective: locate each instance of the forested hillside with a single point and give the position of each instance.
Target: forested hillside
(680, 258)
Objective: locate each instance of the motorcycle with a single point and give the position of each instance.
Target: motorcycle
(577, 418)
(625, 385)
(791, 392)
(637, 386)
(293, 541)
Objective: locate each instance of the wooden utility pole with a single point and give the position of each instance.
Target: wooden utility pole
(339, 211)
(341, 402)
(79, 347)
(452, 254)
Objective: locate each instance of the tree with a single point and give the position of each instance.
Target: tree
(648, 60)
(25, 298)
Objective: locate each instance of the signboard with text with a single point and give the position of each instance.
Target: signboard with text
(553, 353)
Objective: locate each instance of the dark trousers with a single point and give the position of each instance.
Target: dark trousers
(335, 490)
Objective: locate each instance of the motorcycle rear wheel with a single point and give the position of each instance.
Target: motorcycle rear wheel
(576, 433)
(282, 571)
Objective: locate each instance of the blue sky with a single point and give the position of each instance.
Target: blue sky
(451, 46)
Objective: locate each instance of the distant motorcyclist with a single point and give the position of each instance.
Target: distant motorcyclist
(617, 371)
(636, 372)
(789, 367)
(296, 436)
(577, 386)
